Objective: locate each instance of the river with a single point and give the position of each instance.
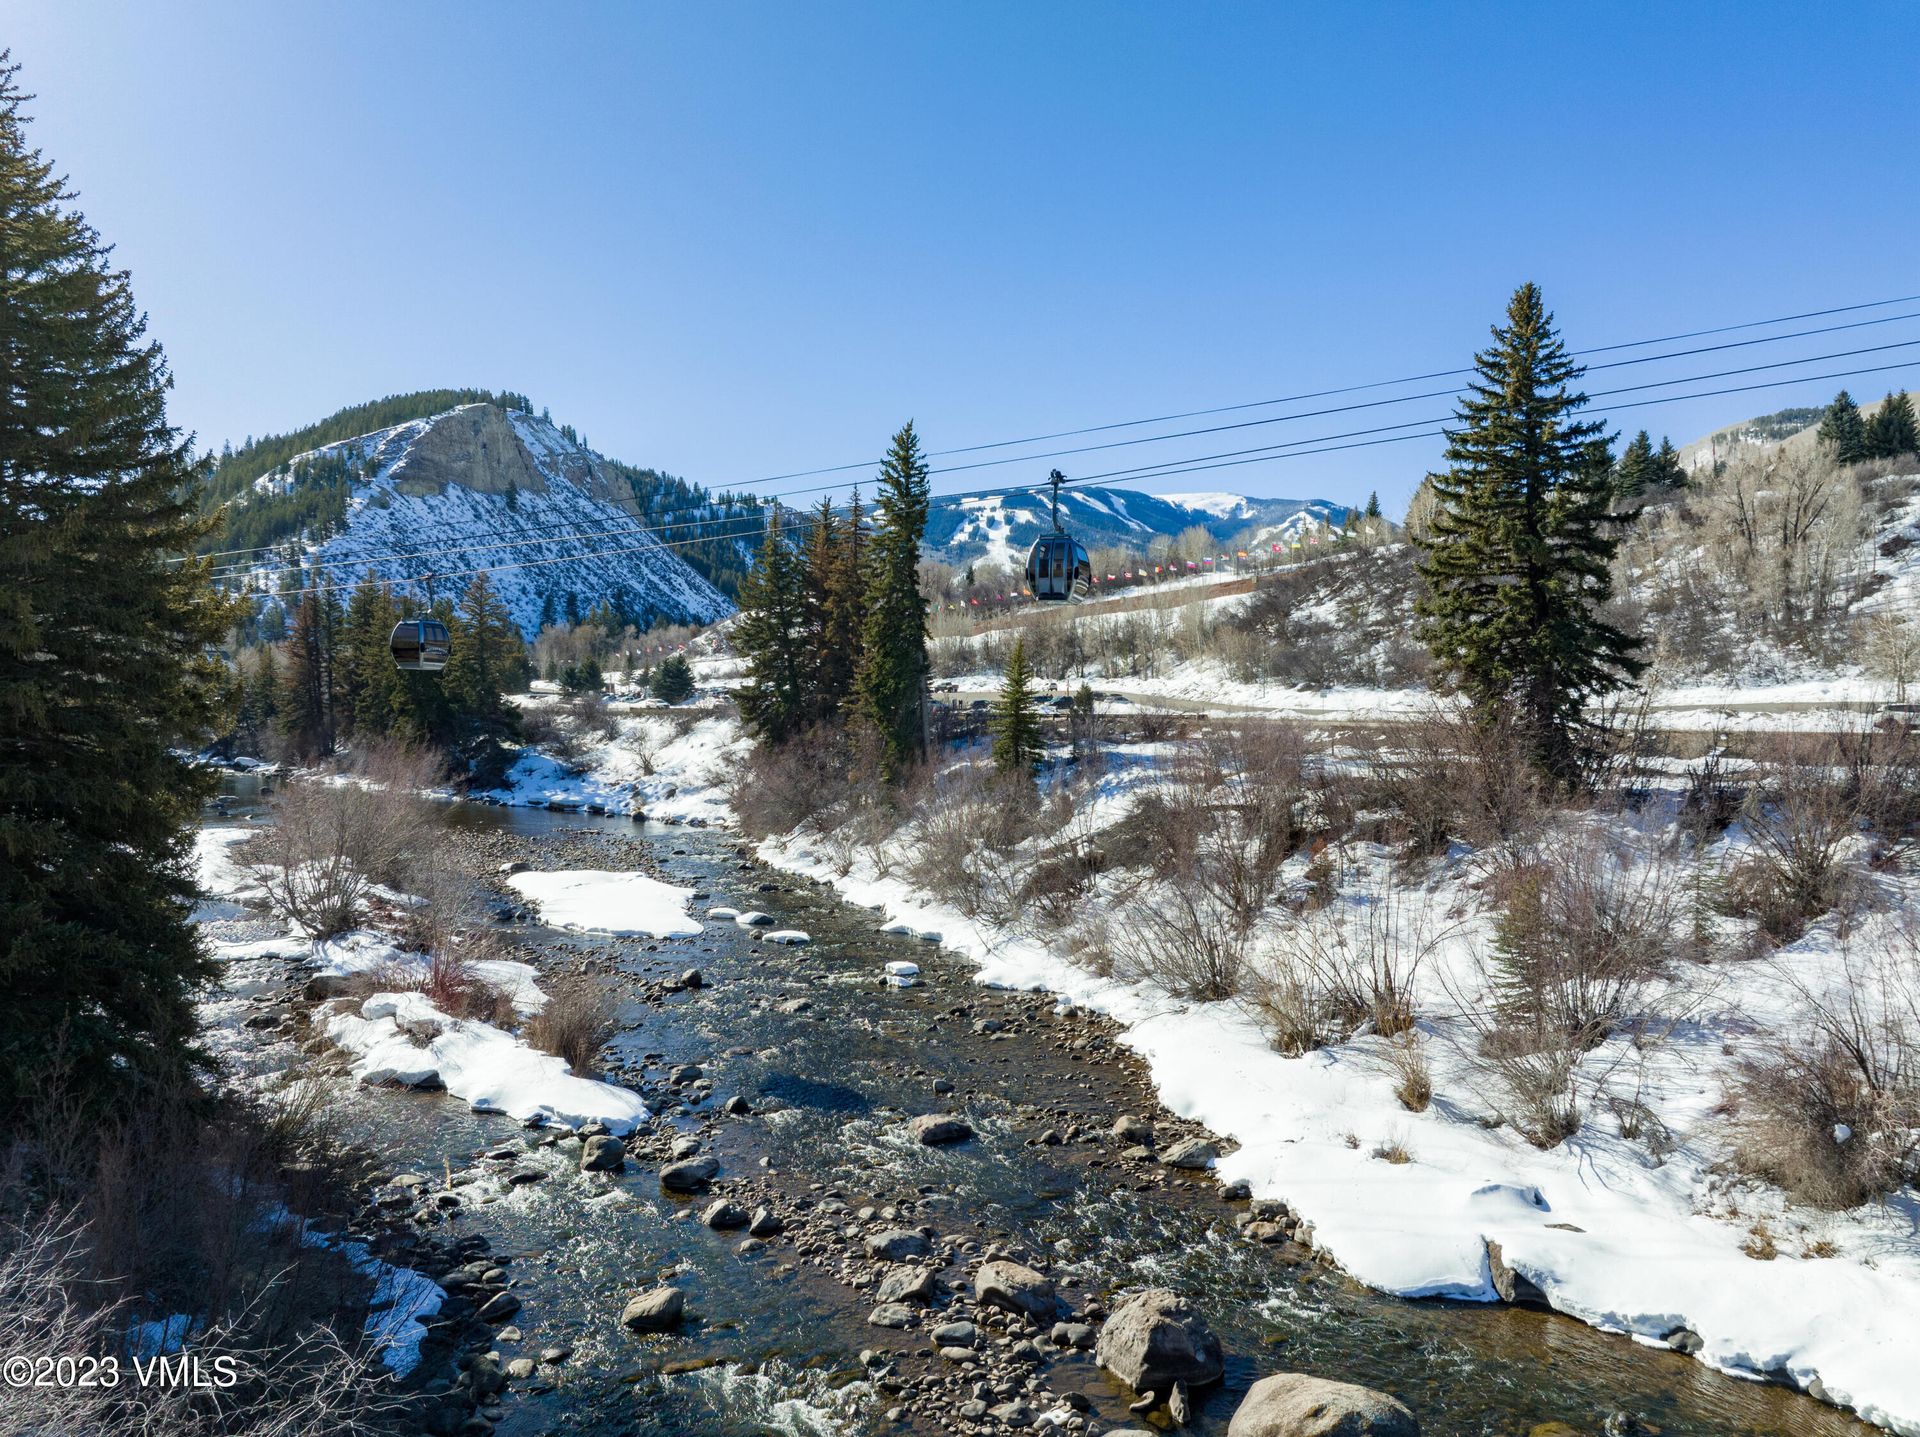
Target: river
(777, 1339)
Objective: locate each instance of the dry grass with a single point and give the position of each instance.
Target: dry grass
(580, 1018)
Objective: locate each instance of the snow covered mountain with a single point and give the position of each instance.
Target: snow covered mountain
(482, 486)
(998, 528)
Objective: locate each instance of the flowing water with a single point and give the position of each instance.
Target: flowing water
(776, 1345)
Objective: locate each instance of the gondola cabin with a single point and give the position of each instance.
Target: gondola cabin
(421, 645)
(1058, 569)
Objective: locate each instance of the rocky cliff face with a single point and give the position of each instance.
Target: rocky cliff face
(479, 488)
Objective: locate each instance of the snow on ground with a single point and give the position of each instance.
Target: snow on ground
(662, 766)
(399, 1036)
(218, 872)
(1644, 1245)
(1609, 1236)
(402, 1299)
(626, 905)
(493, 1071)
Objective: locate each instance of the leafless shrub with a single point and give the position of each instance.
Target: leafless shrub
(1798, 816)
(805, 783)
(1833, 1113)
(1288, 1000)
(1452, 776)
(1588, 925)
(969, 826)
(1711, 799)
(580, 1018)
(1412, 1076)
(335, 834)
(317, 1386)
(451, 984)
(1180, 937)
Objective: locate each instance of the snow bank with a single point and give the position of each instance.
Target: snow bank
(627, 905)
(364, 951)
(1608, 1234)
(218, 872)
(402, 1299)
(494, 1071)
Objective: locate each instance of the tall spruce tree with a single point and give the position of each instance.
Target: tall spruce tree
(1373, 505)
(1843, 431)
(1016, 724)
(891, 683)
(1893, 433)
(488, 660)
(1633, 472)
(1515, 558)
(771, 636)
(106, 664)
(306, 699)
(843, 620)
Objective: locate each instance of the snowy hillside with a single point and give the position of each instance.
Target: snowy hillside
(998, 528)
(483, 487)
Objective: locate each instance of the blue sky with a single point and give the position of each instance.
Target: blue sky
(735, 241)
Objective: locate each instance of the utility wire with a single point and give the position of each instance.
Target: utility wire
(1162, 468)
(1348, 389)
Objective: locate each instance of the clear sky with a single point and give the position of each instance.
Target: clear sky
(738, 240)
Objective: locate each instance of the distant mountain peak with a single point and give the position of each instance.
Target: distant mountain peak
(427, 502)
(999, 528)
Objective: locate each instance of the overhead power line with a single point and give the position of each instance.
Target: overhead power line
(1312, 414)
(1196, 464)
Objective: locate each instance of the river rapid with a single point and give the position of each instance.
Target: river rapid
(831, 1063)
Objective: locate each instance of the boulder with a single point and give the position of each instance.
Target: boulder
(907, 1284)
(1013, 1288)
(1295, 1405)
(765, 1223)
(1157, 1338)
(499, 1307)
(659, 1310)
(602, 1155)
(891, 1314)
(1134, 1132)
(1193, 1154)
(723, 1216)
(689, 1175)
(939, 1129)
(896, 1244)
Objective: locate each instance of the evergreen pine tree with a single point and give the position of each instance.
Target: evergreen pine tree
(891, 683)
(1373, 505)
(672, 682)
(1016, 725)
(769, 635)
(1516, 556)
(106, 664)
(1843, 431)
(1893, 432)
(1668, 472)
(1633, 472)
(303, 683)
(488, 660)
(843, 623)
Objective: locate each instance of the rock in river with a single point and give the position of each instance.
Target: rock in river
(689, 1175)
(938, 1129)
(1194, 1154)
(659, 1310)
(896, 1244)
(602, 1155)
(1157, 1338)
(1013, 1288)
(1295, 1405)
